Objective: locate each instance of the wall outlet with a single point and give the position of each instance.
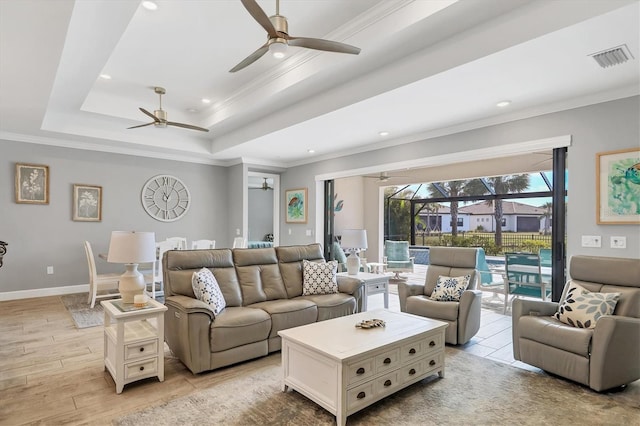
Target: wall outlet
(237, 231)
(309, 233)
(289, 231)
(618, 242)
(49, 270)
(591, 241)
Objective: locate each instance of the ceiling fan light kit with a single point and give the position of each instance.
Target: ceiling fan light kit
(278, 38)
(159, 116)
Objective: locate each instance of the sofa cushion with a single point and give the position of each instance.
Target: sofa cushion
(426, 307)
(237, 326)
(332, 305)
(551, 332)
(290, 262)
(288, 313)
(206, 288)
(319, 277)
(258, 275)
(450, 289)
(582, 308)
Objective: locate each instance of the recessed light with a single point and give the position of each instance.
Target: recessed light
(311, 151)
(149, 5)
(503, 104)
(206, 101)
(192, 110)
(384, 133)
(105, 76)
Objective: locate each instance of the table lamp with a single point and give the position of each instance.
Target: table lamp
(352, 241)
(131, 248)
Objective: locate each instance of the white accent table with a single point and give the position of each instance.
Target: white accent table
(345, 369)
(373, 284)
(133, 345)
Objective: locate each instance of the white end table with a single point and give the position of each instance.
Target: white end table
(133, 346)
(373, 284)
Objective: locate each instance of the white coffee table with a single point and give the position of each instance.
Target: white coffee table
(373, 284)
(345, 369)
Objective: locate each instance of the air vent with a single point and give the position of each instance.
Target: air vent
(614, 56)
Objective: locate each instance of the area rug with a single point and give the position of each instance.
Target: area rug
(81, 312)
(475, 391)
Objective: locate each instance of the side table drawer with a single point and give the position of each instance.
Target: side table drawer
(140, 350)
(141, 368)
(360, 370)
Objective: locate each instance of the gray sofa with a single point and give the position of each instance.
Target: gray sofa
(603, 357)
(263, 293)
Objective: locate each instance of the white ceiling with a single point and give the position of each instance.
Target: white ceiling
(427, 67)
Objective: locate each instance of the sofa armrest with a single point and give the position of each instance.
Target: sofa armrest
(469, 313)
(353, 286)
(187, 329)
(615, 352)
(406, 290)
(521, 307)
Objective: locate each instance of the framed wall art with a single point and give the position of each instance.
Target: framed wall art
(87, 203)
(32, 183)
(296, 205)
(618, 187)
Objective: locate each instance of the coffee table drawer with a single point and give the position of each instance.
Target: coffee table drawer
(434, 343)
(412, 371)
(386, 383)
(360, 396)
(434, 362)
(360, 370)
(388, 360)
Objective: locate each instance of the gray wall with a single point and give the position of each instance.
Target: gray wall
(602, 127)
(45, 235)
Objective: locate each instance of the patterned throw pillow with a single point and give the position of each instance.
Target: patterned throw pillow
(319, 277)
(450, 289)
(206, 288)
(582, 308)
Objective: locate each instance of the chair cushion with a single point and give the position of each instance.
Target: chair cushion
(397, 251)
(551, 332)
(425, 307)
(319, 277)
(582, 308)
(206, 288)
(450, 289)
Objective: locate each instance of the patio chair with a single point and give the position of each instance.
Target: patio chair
(396, 257)
(524, 277)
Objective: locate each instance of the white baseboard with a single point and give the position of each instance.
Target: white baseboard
(43, 292)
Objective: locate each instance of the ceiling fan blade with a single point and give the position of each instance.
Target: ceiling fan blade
(150, 115)
(258, 14)
(251, 58)
(187, 126)
(142, 125)
(321, 44)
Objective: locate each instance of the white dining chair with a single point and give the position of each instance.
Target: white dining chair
(181, 241)
(239, 242)
(97, 281)
(161, 248)
(203, 244)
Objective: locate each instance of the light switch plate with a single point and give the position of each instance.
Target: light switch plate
(618, 242)
(591, 241)
(308, 232)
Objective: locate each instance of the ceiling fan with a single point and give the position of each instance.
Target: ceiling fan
(383, 177)
(160, 116)
(265, 186)
(278, 37)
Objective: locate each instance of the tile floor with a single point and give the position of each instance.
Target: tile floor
(493, 340)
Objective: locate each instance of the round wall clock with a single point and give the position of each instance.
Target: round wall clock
(165, 198)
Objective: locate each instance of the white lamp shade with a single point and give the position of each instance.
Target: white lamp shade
(132, 247)
(355, 239)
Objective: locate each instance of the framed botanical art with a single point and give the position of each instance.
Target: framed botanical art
(296, 205)
(87, 203)
(32, 183)
(618, 187)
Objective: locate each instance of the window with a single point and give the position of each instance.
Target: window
(460, 222)
(504, 222)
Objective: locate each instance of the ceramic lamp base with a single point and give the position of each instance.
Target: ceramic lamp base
(353, 264)
(131, 283)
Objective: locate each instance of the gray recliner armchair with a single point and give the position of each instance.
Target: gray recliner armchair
(463, 316)
(602, 357)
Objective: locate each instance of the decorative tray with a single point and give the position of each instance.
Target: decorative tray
(372, 323)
